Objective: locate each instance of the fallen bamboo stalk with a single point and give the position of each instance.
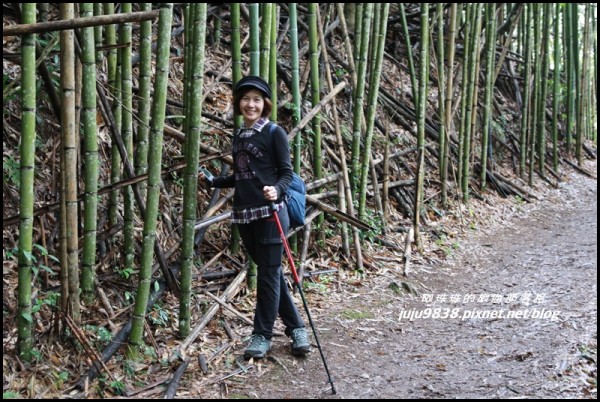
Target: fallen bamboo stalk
(309, 116)
(226, 376)
(180, 136)
(213, 219)
(118, 340)
(147, 387)
(212, 260)
(579, 169)
(229, 291)
(94, 355)
(388, 244)
(83, 22)
(228, 307)
(514, 185)
(338, 214)
(174, 381)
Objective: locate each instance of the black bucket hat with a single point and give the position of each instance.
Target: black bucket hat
(253, 82)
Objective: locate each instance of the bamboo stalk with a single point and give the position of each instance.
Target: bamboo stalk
(26, 190)
(76, 23)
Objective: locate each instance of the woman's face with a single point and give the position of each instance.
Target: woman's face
(252, 104)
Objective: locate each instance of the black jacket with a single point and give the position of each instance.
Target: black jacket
(260, 160)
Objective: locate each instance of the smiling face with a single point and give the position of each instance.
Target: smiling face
(252, 104)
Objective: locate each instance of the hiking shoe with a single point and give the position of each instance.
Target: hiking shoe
(300, 344)
(258, 348)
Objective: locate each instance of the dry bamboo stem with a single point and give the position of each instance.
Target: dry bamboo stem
(74, 23)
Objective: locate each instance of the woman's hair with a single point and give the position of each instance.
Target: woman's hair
(238, 97)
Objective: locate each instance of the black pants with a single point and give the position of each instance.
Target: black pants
(262, 241)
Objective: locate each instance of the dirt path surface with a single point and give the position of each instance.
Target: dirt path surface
(511, 314)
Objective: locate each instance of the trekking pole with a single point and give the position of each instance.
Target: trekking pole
(299, 287)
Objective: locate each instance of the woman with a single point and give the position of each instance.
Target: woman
(262, 171)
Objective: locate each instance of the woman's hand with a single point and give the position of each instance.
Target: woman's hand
(270, 193)
(205, 175)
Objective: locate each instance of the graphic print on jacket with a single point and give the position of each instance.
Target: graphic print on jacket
(242, 152)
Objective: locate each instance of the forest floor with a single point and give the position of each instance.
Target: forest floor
(536, 261)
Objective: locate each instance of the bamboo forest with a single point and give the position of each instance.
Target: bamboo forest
(449, 156)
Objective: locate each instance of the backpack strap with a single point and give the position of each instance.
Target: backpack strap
(271, 130)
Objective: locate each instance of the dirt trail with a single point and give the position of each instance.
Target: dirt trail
(540, 265)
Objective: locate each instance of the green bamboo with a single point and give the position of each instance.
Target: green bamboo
(581, 96)
(449, 96)
(255, 69)
(188, 51)
(566, 34)
(490, 41)
(545, 58)
(190, 199)
(26, 187)
(90, 155)
(537, 67)
(572, 55)
(114, 87)
(154, 167)
(127, 135)
(313, 9)
(373, 48)
(98, 10)
(236, 73)
(372, 108)
(358, 100)
(592, 82)
(273, 61)
(442, 144)
(144, 97)
(464, 99)
(409, 55)
(296, 99)
(525, 114)
(315, 85)
(556, 86)
(236, 51)
(69, 134)
(421, 117)
(473, 91)
(253, 9)
(62, 234)
(265, 40)
(358, 31)
(520, 34)
(575, 39)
